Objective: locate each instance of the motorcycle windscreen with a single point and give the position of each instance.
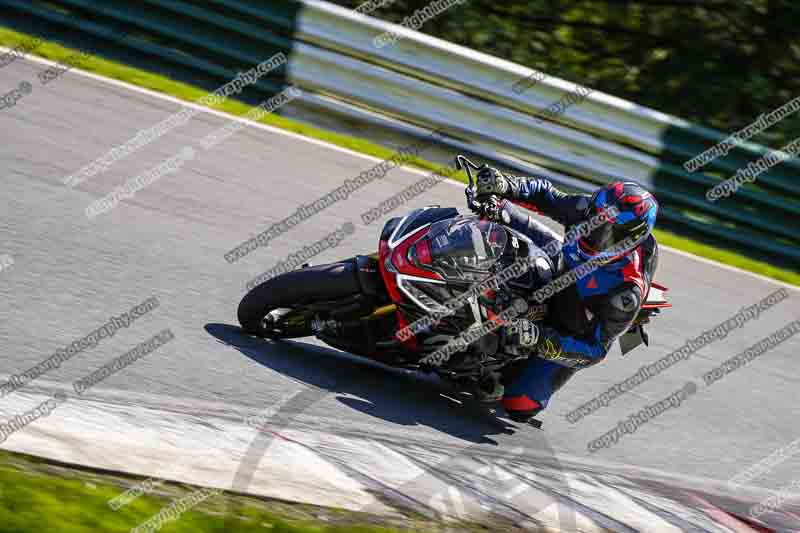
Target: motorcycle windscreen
(466, 248)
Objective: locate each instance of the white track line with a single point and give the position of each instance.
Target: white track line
(279, 131)
(316, 467)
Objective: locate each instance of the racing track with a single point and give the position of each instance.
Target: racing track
(364, 425)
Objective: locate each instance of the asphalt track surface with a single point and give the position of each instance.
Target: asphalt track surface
(70, 274)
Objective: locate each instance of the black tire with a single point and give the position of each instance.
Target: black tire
(293, 291)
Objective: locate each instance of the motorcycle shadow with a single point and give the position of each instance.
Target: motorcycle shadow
(394, 395)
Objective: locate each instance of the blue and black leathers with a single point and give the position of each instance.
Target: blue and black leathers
(585, 318)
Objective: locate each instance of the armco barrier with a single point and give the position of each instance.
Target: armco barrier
(433, 84)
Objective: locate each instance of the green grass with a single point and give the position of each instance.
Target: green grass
(161, 84)
(36, 495)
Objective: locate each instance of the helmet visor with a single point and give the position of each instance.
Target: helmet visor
(633, 220)
(613, 239)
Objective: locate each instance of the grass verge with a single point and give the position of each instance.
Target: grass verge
(39, 495)
(183, 91)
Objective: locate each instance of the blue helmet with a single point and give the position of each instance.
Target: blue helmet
(636, 211)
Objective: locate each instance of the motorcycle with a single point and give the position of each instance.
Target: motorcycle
(373, 305)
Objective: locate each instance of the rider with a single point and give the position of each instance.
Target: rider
(588, 316)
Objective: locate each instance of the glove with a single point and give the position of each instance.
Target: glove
(491, 209)
(522, 333)
(491, 181)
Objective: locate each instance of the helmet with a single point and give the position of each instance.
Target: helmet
(636, 211)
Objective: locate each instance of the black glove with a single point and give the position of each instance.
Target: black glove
(489, 207)
(491, 182)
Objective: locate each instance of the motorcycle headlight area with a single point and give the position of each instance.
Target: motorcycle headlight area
(423, 292)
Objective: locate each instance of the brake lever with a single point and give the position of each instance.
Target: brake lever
(471, 191)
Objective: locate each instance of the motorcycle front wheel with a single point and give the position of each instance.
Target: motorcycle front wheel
(279, 307)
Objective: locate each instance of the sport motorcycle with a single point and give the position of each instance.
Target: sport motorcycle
(425, 272)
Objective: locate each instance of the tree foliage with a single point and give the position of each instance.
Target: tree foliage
(719, 63)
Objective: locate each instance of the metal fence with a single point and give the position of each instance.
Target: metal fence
(427, 83)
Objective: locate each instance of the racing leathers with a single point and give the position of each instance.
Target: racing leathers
(585, 317)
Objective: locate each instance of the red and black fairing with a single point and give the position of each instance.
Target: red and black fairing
(655, 302)
(397, 238)
(433, 255)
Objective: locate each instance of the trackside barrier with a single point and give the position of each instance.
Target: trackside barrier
(429, 83)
